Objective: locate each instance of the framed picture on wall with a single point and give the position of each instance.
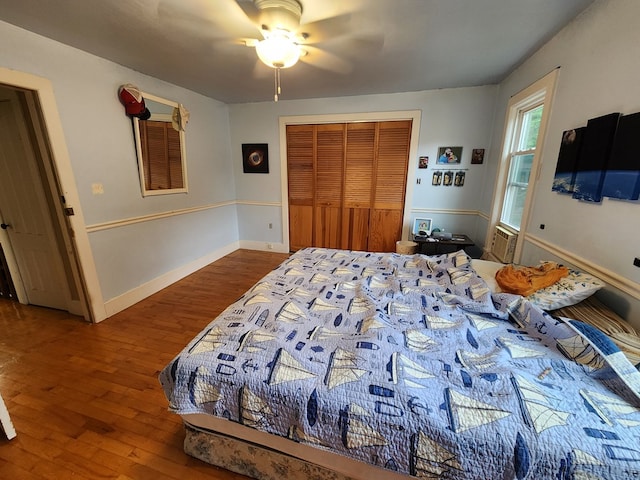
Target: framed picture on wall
(449, 155)
(422, 225)
(477, 156)
(447, 179)
(423, 162)
(255, 158)
(436, 179)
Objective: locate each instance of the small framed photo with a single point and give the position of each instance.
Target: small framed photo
(436, 179)
(423, 162)
(449, 155)
(447, 179)
(422, 225)
(459, 179)
(255, 158)
(477, 156)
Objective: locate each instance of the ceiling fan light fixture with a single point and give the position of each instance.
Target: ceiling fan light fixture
(278, 50)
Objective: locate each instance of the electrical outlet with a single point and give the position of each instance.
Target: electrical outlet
(270, 246)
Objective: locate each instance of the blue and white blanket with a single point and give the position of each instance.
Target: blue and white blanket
(409, 363)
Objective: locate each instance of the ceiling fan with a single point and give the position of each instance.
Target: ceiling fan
(284, 41)
(281, 37)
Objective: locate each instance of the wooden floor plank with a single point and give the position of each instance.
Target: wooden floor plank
(85, 399)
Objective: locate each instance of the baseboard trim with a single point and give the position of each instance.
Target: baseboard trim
(145, 290)
(263, 246)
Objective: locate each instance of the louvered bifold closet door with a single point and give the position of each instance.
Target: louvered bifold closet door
(329, 179)
(300, 167)
(358, 191)
(385, 222)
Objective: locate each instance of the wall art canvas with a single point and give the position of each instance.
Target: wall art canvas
(565, 177)
(255, 158)
(477, 156)
(449, 155)
(622, 178)
(593, 157)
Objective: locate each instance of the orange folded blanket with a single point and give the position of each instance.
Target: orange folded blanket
(526, 280)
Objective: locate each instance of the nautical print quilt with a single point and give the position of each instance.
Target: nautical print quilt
(409, 363)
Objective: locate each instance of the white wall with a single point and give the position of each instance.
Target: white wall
(450, 117)
(599, 74)
(129, 253)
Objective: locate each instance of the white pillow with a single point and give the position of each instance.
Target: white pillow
(487, 271)
(569, 290)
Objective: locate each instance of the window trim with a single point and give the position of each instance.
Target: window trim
(539, 93)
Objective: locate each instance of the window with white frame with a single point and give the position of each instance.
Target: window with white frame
(520, 163)
(524, 132)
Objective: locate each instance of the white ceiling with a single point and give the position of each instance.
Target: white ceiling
(376, 46)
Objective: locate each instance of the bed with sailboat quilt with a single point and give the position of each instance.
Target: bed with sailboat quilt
(381, 365)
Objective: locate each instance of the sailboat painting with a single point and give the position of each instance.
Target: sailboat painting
(409, 367)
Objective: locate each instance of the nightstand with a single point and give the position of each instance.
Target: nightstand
(431, 246)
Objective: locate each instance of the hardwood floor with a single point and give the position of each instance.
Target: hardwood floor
(85, 399)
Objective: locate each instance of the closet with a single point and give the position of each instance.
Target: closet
(347, 184)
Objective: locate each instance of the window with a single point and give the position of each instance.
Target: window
(520, 163)
(524, 132)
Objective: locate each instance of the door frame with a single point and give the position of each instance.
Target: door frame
(414, 115)
(62, 184)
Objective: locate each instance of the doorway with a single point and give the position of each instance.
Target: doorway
(34, 237)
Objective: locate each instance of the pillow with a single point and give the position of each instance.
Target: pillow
(487, 271)
(569, 290)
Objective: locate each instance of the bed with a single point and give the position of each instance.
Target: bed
(344, 364)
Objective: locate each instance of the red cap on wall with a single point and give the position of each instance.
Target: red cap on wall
(133, 102)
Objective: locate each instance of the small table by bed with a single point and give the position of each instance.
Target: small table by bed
(432, 246)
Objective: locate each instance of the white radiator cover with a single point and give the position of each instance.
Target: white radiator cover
(504, 244)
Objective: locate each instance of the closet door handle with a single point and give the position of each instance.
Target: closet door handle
(4, 226)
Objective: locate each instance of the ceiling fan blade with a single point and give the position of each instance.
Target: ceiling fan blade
(364, 44)
(249, 42)
(325, 29)
(250, 10)
(325, 60)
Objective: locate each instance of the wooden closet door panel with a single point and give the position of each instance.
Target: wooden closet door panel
(329, 164)
(359, 165)
(327, 227)
(385, 228)
(300, 154)
(355, 228)
(300, 227)
(329, 172)
(392, 164)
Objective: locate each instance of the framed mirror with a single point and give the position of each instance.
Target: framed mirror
(160, 147)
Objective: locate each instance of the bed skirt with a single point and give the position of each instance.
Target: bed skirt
(252, 460)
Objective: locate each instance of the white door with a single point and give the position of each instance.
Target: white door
(24, 213)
